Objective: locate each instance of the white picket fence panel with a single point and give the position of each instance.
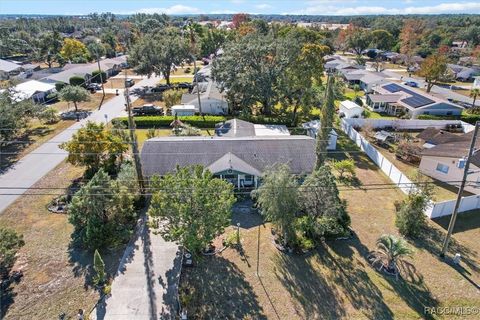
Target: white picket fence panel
(436, 209)
(383, 163)
(407, 124)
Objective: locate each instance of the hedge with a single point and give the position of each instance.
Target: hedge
(164, 121)
(468, 118)
(96, 76)
(77, 81)
(59, 86)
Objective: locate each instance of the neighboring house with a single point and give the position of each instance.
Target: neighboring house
(84, 70)
(398, 99)
(35, 90)
(241, 128)
(9, 69)
(312, 128)
(337, 65)
(213, 101)
(350, 109)
(445, 162)
(462, 73)
(365, 79)
(239, 160)
(432, 137)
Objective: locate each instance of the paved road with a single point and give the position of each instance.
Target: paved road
(32, 167)
(443, 92)
(145, 286)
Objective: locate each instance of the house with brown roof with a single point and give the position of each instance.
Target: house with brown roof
(445, 161)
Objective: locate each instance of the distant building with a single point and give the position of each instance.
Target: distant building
(397, 99)
(35, 90)
(9, 69)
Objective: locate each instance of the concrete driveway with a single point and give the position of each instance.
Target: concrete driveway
(32, 167)
(145, 286)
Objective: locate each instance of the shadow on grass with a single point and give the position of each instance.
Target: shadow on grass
(349, 273)
(10, 153)
(216, 289)
(364, 294)
(7, 297)
(312, 293)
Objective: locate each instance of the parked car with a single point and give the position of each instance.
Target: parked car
(412, 84)
(147, 110)
(129, 82)
(184, 85)
(94, 86)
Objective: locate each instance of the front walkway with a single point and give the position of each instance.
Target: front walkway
(145, 286)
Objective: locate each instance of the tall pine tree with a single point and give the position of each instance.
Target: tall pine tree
(326, 123)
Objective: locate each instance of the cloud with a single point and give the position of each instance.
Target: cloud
(176, 9)
(237, 1)
(263, 6)
(455, 7)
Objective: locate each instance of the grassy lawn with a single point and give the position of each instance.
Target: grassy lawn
(178, 79)
(376, 115)
(115, 83)
(93, 104)
(335, 281)
(55, 275)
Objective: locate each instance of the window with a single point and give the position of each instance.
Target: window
(442, 168)
(449, 113)
(426, 112)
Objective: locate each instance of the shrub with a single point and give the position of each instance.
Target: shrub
(188, 70)
(59, 86)
(231, 240)
(99, 268)
(359, 101)
(96, 76)
(345, 166)
(52, 97)
(49, 115)
(366, 113)
(165, 121)
(151, 133)
(10, 242)
(188, 130)
(77, 81)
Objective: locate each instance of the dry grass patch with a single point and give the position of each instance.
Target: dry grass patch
(335, 281)
(56, 276)
(93, 104)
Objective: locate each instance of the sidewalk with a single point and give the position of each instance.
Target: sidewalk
(145, 286)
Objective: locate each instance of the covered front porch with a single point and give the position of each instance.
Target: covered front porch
(236, 171)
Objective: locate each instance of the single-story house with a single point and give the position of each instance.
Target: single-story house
(212, 100)
(312, 128)
(184, 110)
(397, 99)
(350, 109)
(241, 128)
(365, 79)
(445, 162)
(462, 73)
(239, 160)
(338, 65)
(33, 89)
(109, 66)
(9, 69)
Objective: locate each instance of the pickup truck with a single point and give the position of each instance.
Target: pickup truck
(147, 110)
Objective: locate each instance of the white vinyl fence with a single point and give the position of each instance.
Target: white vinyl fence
(383, 163)
(435, 210)
(407, 124)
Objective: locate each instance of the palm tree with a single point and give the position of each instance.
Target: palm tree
(473, 94)
(390, 251)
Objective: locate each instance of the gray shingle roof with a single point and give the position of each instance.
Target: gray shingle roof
(235, 128)
(8, 66)
(162, 155)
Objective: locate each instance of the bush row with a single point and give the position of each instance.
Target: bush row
(164, 121)
(468, 118)
(197, 121)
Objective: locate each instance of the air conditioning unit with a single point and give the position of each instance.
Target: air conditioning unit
(461, 163)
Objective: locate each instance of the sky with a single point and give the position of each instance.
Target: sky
(310, 7)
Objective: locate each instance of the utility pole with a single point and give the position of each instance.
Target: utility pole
(451, 225)
(101, 77)
(133, 140)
